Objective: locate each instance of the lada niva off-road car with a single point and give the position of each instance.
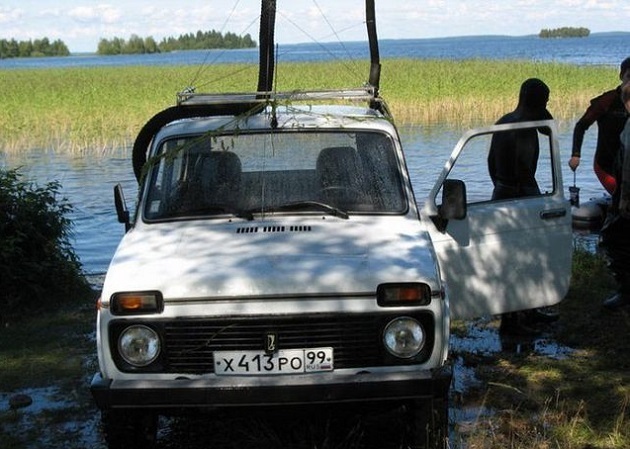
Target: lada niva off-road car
(278, 256)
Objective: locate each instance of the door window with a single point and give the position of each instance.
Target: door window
(510, 170)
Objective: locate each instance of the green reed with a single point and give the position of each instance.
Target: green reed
(74, 109)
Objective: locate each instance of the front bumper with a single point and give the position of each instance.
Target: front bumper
(226, 392)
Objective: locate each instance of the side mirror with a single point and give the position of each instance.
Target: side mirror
(453, 200)
(453, 205)
(121, 207)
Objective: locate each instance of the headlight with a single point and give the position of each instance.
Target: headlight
(404, 337)
(139, 345)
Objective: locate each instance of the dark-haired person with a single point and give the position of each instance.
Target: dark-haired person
(609, 113)
(512, 163)
(513, 156)
(615, 234)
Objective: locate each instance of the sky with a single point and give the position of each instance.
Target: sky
(80, 24)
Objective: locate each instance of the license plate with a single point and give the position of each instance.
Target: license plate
(258, 363)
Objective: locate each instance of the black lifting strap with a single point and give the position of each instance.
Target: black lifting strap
(266, 53)
(375, 61)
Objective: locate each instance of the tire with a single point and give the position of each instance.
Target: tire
(427, 424)
(125, 429)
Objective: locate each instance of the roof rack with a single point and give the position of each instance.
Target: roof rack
(189, 98)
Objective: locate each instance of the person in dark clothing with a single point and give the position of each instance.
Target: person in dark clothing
(512, 163)
(615, 234)
(609, 113)
(513, 155)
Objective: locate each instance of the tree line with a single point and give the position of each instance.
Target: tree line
(11, 48)
(191, 41)
(564, 32)
(32, 48)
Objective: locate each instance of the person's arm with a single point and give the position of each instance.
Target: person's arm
(596, 109)
(492, 169)
(608, 181)
(578, 137)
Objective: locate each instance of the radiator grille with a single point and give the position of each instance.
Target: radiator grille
(356, 339)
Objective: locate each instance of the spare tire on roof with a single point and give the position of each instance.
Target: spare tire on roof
(174, 113)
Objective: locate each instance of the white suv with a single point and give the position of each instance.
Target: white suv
(277, 256)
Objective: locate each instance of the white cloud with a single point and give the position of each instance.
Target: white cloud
(99, 13)
(8, 15)
(81, 23)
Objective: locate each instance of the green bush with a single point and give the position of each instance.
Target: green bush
(39, 267)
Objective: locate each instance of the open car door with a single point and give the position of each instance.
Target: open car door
(499, 256)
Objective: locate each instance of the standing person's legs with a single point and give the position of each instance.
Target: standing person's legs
(615, 242)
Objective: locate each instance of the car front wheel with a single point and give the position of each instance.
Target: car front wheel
(427, 424)
(129, 429)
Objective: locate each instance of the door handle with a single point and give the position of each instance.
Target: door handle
(552, 213)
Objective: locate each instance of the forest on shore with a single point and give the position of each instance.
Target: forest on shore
(11, 48)
(191, 41)
(201, 40)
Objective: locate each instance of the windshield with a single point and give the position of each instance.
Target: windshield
(246, 174)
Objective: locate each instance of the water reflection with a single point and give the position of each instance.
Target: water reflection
(482, 339)
(71, 428)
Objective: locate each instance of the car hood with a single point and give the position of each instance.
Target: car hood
(204, 259)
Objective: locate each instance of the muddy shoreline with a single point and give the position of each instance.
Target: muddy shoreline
(70, 415)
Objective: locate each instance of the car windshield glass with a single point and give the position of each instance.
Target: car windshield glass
(245, 174)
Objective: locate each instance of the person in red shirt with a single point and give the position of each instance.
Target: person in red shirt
(609, 113)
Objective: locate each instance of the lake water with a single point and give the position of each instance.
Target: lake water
(597, 49)
(88, 180)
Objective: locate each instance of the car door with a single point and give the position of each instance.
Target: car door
(503, 255)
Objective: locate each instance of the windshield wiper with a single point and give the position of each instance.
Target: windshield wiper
(298, 205)
(212, 209)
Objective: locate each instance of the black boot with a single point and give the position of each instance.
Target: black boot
(617, 301)
(512, 325)
(541, 315)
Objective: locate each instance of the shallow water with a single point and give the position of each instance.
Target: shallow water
(57, 433)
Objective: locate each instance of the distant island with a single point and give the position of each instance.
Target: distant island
(32, 48)
(191, 41)
(564, 32)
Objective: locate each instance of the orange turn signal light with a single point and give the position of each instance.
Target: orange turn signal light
(403, 294)
(137, 303)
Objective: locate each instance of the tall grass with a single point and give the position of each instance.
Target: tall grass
(104, 107)
(480, 91)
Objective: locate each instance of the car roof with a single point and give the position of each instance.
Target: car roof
(290, 117)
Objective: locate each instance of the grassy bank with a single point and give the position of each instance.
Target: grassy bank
(94, 108)
(532, 401)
